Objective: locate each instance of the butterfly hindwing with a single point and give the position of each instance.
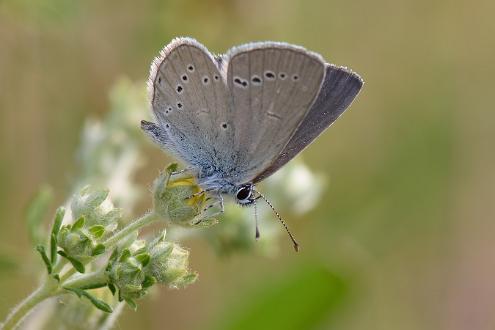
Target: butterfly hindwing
(339, 89)
(272, 86)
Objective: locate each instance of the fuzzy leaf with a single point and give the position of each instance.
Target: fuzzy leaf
(188, 279)
(125, 255)
(79, 224)
(97, 231)
(98, 249)
(143, 258)
(57, 223)
(53, 248)
(132, 304)
(94, 286)
(112, 288)
(100, 304)
(41, 250)
(79, 266)
(148, 281)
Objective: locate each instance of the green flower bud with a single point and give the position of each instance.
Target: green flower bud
(174, 199)
(95, 207)
(169, 263)
(80, 242)
(126, 271)
(96, 218)
(134, 269)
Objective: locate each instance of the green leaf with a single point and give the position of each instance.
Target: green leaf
(305, 299)
(143, 258)
(114, 255)
(78, 225)
(79, 266)
(112, 288)
(125, 255)
(57, 223)
(132, 304)
(98, 249)
(112, 258)
(41, 250)
(53, 248)
(94, 286)
(97, 231)
(35, 213)
(148, 281)
(100, 304)
(187, 280)
(57, 277)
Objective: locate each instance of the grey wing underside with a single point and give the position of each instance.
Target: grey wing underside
(272, 86)
(189, 102)
(339, 89)
(243, 134)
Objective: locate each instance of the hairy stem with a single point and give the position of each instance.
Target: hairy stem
(90, 280)
(133, 226)
(51, 287)
(46, 290)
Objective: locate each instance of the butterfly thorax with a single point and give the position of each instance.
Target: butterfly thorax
(243, 194)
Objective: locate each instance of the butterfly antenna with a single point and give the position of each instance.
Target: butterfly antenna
(294, 242)
(257, 235)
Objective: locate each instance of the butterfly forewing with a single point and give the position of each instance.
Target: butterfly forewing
(189, 100)
(272, 86)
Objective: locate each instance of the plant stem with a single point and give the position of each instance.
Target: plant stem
(87, 280)
(137, 224)
(51, 287)
(145, 220)
(46, 290)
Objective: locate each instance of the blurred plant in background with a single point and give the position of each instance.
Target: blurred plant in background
(94, 259)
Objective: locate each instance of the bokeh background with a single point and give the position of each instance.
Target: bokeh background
(403, 237)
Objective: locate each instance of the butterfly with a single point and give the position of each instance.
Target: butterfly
(235, 119)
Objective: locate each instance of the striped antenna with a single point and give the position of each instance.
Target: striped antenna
(294, 242)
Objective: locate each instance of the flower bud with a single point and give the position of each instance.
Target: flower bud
(126, 271)
(76, 245)
(95, 216)
(95, 206)
(174, 200)
(169, 263)
(133, 270)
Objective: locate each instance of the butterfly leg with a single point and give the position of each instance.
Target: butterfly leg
(199, 193)
(218, 202)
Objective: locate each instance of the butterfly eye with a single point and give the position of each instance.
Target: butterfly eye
(244, 193)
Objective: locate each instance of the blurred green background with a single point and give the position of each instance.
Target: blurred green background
(403, 237)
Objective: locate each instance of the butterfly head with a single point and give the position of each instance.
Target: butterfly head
(244, 194)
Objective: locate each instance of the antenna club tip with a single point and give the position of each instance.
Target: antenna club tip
(296, 247)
